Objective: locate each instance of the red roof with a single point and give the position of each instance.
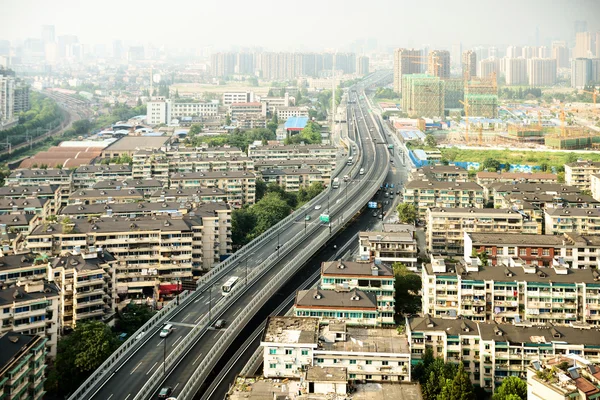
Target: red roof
(254, 103)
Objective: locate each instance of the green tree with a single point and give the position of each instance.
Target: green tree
(228, 120)
(430, 140)
(571, 158)
(260, 189)
(511, 386)
(407, 213)
(459, 388)
(132, 318)
(314, 189)
(252, 81)
(407, 285)
(242, 225)
(195, 129)
(268, 211)
(78, 355)
(490, 164)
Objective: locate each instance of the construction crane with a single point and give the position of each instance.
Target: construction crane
(594, 94)
(466, 104)
(436, 63)
(563, 129)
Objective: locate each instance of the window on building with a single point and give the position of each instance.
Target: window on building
(522, 252)
(304, 352)
(288, 366)
(385, 363)
(369, 362)
(272, 351)
(352, 361)
(288, 352)
(273, 366)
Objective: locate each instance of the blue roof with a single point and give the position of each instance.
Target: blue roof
(420, 154)
(296, 122)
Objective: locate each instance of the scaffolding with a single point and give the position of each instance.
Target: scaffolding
(572, 137)
(482, 96)
(423, 95)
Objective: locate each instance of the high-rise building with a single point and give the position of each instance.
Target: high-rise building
(516, 71)
(223, 64)
(529, 52)
(48, 33)
(117, 50)
(456, 55)
(469, 64)
(492, 52)
(580, 26)
(514, 51)
(585, 45)
(7, 96)
(488, 67)
(363, 65)
(543, 52)
(346, 62)
(581, 72)
(406, 61)
(541, 71)
(135, 53)
(439, 63)
(245, 64)
(66, 44)
(560, 52)
(422, 95)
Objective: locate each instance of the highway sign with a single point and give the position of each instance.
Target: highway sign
(390, 146)
(372, 204)
(324, 218)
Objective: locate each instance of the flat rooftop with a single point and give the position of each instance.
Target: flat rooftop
(132, 143)
(367, 340)
(291, 330)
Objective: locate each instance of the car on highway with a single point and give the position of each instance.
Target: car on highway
(166, 331)
(220, 324)
(165, 392)
(374, 213)
(386, 202)
(307, 218)
(318, 207)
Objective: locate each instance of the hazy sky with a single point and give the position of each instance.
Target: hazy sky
(299, 25)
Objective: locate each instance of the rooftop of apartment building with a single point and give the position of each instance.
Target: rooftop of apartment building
(38, 172)
(292, 147)
(16, 219)
(526, 187)
(6, 203)
(387, 237)
(526, 273)
(12, 346)
(410, 228)
(326, 374)
(529, 197)
(133, 143)
(200, 191)
(111, 184)
(354, 299)
(443, 185)
(28, 191)
(353, 268)
(573, 212)
(80, 262)
(95, 193)
(526, 239)
(583, 164)
(88, 169)
(299, 330)
(9, 262)
(476, 211)
(517, 176)
(247, 104)
(289, 171)
(569, 380)
(28, 292)
(441, 168)
(278, 162)
(362, 340)
(122, 208)
(517, 333)
(206, 157)
(213, 175)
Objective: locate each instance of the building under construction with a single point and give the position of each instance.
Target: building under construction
(423, 95)
(454, 93)
(573, 137)
(481, 95)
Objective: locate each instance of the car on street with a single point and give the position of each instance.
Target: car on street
(386, 202)
(220, 324)
(307, 218)
(166, 331)
(318, 207)
(374, 213)
(165, 392)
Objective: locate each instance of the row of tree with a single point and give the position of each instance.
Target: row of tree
(273, 204)
(311, 134)
(237, 138)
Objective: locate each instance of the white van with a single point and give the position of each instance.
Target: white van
(362, 171)
(166, 330)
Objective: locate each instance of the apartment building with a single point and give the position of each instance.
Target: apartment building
(35, 177)
(514, 292)
(495, 192)
(292, 345)
(86, 287)
(585, 221)
(31, 309)
(129, 210)
(34, 206)
(485, 178)
(491, 352)
(145, 186)
(541, 71)
(283, 113)
(256, 108)
(389, 247)
(563, 377)
(325, 166)
(293, 179)
(239, 186)
(570, 250)
(344, 276)
(579, 173)
(88, 175)
(298, 151)
(188, 195)
(446, 226)
(440, 172)
(98, 196)
(22, 367)
(230, 98)
(163, 111)
(193, 164)
(157, 112)
(425, 194)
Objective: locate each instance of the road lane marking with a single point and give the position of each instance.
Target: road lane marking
(128, 396)
(110, 396)
(197, 358)
(136, 367)
(186, 316)
(176, 386)
(159, 343)
(175, 342)
(151, 368)
(197, 300)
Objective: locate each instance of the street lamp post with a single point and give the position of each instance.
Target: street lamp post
(278, 243)
(165, 356)
(210, 302)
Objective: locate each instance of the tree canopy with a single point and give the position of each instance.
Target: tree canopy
(442, 381)
(407, 213)
(407, 286)
(512, 388)
(490, 164)
(311, 134)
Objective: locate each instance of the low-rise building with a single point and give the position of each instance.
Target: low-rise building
(496, 191)
(297, 151)
(35, 206)
(256, 109)
(129, 210)
(188, 195)
(283, 113)
(446, 226)
(38, 176)
(22, 367)
(239, 186)
(389, 247)
(491, 352)
(146, 186)
(293, 179)
(440, 172)
(425, 194)
(578, 173)
(98, 196)
(565, 377)
(585, 221)
(485, 178)
(292, 345)
(344, 276)
(31, 309)
(88, 175)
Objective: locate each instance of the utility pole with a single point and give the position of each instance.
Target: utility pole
(165, 356)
